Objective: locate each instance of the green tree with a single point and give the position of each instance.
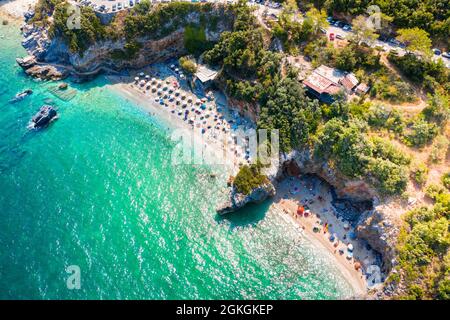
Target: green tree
(362, 31)
(415, 39)
(317, 19)
(188, 65)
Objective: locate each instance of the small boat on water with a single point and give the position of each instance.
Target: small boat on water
(22, 95)
(44, 116)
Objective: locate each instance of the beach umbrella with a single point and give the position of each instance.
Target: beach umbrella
(147, 77)
(172, 66)
(136, 79)
(346, 226)
(176, 69)
(352, 235)
(350, 247)
(141, 74)
(177, 93)
(357, 265)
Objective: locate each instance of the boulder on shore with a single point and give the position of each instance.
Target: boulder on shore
(47, 72)
(26, 62)
(238, 200)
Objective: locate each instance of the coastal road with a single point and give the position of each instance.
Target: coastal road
(264, 10)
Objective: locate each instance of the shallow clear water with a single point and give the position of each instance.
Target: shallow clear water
(97, 189)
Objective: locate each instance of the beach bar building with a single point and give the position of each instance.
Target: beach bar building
(326, 83)
(206, 75)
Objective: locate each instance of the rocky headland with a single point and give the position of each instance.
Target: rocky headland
(51, 57)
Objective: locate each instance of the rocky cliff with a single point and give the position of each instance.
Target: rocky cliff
(238, 200)
(100, 56)
(379, 225)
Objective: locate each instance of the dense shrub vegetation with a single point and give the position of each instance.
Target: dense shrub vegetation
(248, 67)
(248, 178)
(346, 146)
(433, 76)
(77, 39)
(430, 15)
(424, 258)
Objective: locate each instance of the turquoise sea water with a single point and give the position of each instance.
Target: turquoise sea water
(97, 189)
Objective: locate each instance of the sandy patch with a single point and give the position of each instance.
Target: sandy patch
(16, 8)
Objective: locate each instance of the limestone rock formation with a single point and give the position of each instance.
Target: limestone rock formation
(238, 200)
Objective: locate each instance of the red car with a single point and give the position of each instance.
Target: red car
(331, 36)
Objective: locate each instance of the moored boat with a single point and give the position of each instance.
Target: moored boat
(44, 116)
(22, 95)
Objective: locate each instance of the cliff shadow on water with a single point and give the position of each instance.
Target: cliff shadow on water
(247, 216)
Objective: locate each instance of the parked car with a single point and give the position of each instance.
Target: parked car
(323, 30)
(383, 38)
(437, 51)
(131, 3)
(331, 36)
(347, 27)
(394, 42)
(119, 6)
(446, 55)
(340, 36)
(113, 8)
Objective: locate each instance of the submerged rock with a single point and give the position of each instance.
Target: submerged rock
(41, 119)
(238, 200)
